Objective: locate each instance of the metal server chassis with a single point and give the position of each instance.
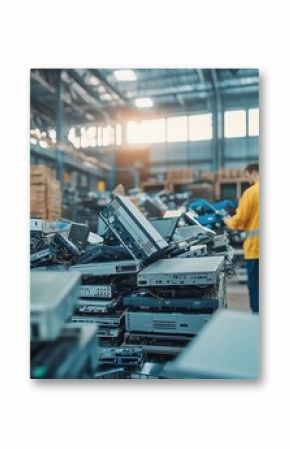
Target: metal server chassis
(97, 291)
(213, 297)
(175, 271)
(132, 229)
(52, 299)
(107, 268)
(170, 323)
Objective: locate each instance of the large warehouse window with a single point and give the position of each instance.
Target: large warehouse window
(177, 129)
(108, 135)
(146, 131)
(100, 136)
(253, 122)
(118, 135)
(235, 123)
(73, 138)
(200, 127)
(85, 140)
(92, 136)
(134, 132)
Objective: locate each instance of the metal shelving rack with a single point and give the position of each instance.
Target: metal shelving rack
(41, 154)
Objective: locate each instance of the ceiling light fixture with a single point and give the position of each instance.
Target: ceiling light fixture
(125, 75)
(93, 81)
(143, 102)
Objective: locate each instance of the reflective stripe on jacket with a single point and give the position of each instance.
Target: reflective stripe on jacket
(247, 220)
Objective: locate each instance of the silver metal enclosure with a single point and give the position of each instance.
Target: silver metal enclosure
(107, 268)
(96, 291)
(227, 348)
(170, 323)
(52, 300)
(132, 229)
(178, 271)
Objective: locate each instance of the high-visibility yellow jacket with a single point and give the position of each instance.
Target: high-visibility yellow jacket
(247, 220)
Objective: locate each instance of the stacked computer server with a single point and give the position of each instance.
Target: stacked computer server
(146, 286)
(175, 299)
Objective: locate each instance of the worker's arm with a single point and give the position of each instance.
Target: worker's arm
(243, 213)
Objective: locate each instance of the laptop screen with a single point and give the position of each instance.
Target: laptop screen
(165, 226)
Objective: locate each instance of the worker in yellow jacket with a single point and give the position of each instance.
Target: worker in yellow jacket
(247, 219)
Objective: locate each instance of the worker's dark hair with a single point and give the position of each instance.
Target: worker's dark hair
(252, 167)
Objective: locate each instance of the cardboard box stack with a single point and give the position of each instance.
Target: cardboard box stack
(184, 175)
(230, 173)
(207, 176)
(45, 193)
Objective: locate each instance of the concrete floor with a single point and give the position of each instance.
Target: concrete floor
(237, 295)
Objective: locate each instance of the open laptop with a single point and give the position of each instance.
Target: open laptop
(165, 226)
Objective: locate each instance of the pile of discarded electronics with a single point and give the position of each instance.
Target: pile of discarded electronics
(145, 287)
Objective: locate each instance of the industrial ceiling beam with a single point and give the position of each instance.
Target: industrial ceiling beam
(201, 77)
(104, 80)
(194, 88)
(52, 90)
(171, 74)
(90, 95)
(168, 91)
(183, 93)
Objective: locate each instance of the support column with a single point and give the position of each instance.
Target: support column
(60, 129)
(218, 124)
(111, 177)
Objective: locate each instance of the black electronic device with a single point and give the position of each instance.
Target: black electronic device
(97, 305)
(41, 257)
(153, 208)
(122, 356)
(133, 230)
(78, 234)
(157, 343)
(102, 227)
(61, 244)
(105, 232)
(206, 301)
(103, 253)
(165, 226)
(73, 355)
(114, 320)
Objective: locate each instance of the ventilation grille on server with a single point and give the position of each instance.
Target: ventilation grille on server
(164, 324)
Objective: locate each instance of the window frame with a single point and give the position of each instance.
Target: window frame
(199, 114)
(227, 111)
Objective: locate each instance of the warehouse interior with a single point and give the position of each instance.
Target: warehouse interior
(117, 152)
